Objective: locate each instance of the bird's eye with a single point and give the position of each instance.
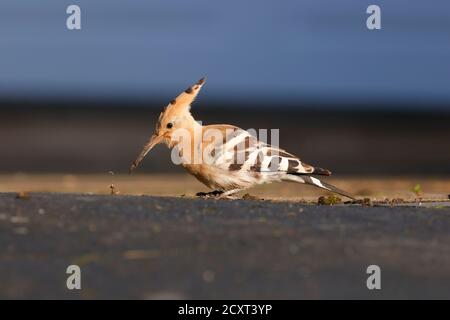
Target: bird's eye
(169, 125)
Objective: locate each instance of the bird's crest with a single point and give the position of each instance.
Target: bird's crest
(182, 103)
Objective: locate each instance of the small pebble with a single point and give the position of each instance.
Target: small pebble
(22, 195)
(208, 276)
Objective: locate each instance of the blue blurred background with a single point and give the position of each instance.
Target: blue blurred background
(344, 97)
(266, 51)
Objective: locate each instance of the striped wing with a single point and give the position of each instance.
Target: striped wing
(241, 151)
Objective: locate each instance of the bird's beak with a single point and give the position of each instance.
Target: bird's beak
(154, 140)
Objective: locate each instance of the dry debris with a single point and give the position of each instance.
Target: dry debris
(22, 195)
(248, 196)
(364, 202)
(329, 201)
(396, 201)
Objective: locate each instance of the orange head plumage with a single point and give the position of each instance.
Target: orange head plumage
(176, 115)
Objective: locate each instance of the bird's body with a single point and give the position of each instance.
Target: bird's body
(226, 158)
(223, 173)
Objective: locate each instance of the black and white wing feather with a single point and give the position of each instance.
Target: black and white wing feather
(244, 154)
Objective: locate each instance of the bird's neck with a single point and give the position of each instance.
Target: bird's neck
(190, 123)
(192, 128)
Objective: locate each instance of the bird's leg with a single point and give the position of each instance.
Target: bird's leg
(230, 194)
(214, 193)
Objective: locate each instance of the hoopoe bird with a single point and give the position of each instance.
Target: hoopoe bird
(226, 158)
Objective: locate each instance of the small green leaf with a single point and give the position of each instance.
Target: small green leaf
(417, 189)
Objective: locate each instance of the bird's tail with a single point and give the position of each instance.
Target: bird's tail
(320, 184)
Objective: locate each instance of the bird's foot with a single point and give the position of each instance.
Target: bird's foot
(228, 197)
(212, 194)
(230, 194)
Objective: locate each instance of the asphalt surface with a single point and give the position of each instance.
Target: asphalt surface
(155, 248)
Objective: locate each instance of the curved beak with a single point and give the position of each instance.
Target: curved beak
(154, 140)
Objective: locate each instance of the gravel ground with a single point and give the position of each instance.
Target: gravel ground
(159, 247)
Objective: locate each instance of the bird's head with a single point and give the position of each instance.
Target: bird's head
(175, 116)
